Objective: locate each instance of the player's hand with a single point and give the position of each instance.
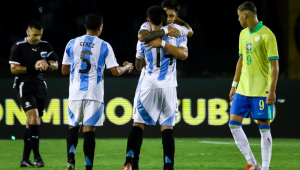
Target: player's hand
(232, 92)
(39, 65)
(44, 66)
(271, 99)
(153, 44)
(129, 66)
(173, 31)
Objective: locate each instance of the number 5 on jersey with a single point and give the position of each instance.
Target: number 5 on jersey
(88, 67)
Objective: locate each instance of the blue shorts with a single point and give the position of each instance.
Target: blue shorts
(243, 106)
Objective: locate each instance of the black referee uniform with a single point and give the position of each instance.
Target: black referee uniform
(31, 87)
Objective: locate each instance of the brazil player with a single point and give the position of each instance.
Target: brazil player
(156, 95)
(256, 75)
(171, 8)
(85, 59)
(30, 59)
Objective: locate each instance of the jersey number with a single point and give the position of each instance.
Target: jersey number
(88, 64)
(261, 105)
(166, 56)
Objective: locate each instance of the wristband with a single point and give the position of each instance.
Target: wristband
(166, 30)
(234, 84)
(31, 69)
(163, 43)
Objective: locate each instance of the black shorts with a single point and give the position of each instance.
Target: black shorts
(31, 95)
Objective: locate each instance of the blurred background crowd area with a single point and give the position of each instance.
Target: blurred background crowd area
(213, 49)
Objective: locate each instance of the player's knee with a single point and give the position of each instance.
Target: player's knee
(162, 128)
(88, 129)
(142, 126)
(234, 124)
(263, 122)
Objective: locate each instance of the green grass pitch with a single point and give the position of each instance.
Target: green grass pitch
(190, 154)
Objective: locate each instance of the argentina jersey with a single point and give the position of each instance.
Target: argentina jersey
(88, 56)
(160, 68)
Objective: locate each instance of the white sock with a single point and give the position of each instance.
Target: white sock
(266, 148)
(243, 144)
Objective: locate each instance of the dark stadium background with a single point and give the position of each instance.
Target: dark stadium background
(213, 49)
(206, 74)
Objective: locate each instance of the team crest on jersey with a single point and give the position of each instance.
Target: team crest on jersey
(249, 46)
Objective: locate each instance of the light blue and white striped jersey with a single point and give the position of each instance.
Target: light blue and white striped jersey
(87, 56)
(160, 69)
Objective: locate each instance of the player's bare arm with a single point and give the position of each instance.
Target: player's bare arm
(65, 69)
(17, 69)
(139, 64)
(238, 72)
(146, 35)
(186, 25)
(119, 70)
(274, 77)
(179, 52)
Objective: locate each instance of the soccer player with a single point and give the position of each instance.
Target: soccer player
(256, 75)
(156, 96)
(84, 60)
(145, 33)
(172, 8)
(29, 59)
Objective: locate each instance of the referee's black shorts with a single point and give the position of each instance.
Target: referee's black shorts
(31, 95)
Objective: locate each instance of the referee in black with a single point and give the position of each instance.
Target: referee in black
(29, 59)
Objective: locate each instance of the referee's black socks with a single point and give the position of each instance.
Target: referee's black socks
(72, 141)
(33, 133)
(89, 149)
(27, 146)
(169, 148)
(134, 140)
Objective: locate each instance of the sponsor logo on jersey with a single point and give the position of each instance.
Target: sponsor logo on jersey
(34, 49)
(260, 113)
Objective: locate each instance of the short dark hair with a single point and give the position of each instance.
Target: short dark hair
(35, 24)
(171, 4)
(156, 14)
(247, 6)
(93, 21)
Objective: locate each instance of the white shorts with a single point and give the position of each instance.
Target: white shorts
(151, 105)
(86, 112)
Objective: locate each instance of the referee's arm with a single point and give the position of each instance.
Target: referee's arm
(15, 66)
(52, 59)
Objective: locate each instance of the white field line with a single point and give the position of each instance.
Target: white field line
(222, 143)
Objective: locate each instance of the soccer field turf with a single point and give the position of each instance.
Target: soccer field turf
(194, 153)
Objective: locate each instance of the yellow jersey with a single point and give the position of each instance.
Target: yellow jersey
(257, 49)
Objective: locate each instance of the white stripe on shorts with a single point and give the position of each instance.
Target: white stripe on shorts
(20, 87)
